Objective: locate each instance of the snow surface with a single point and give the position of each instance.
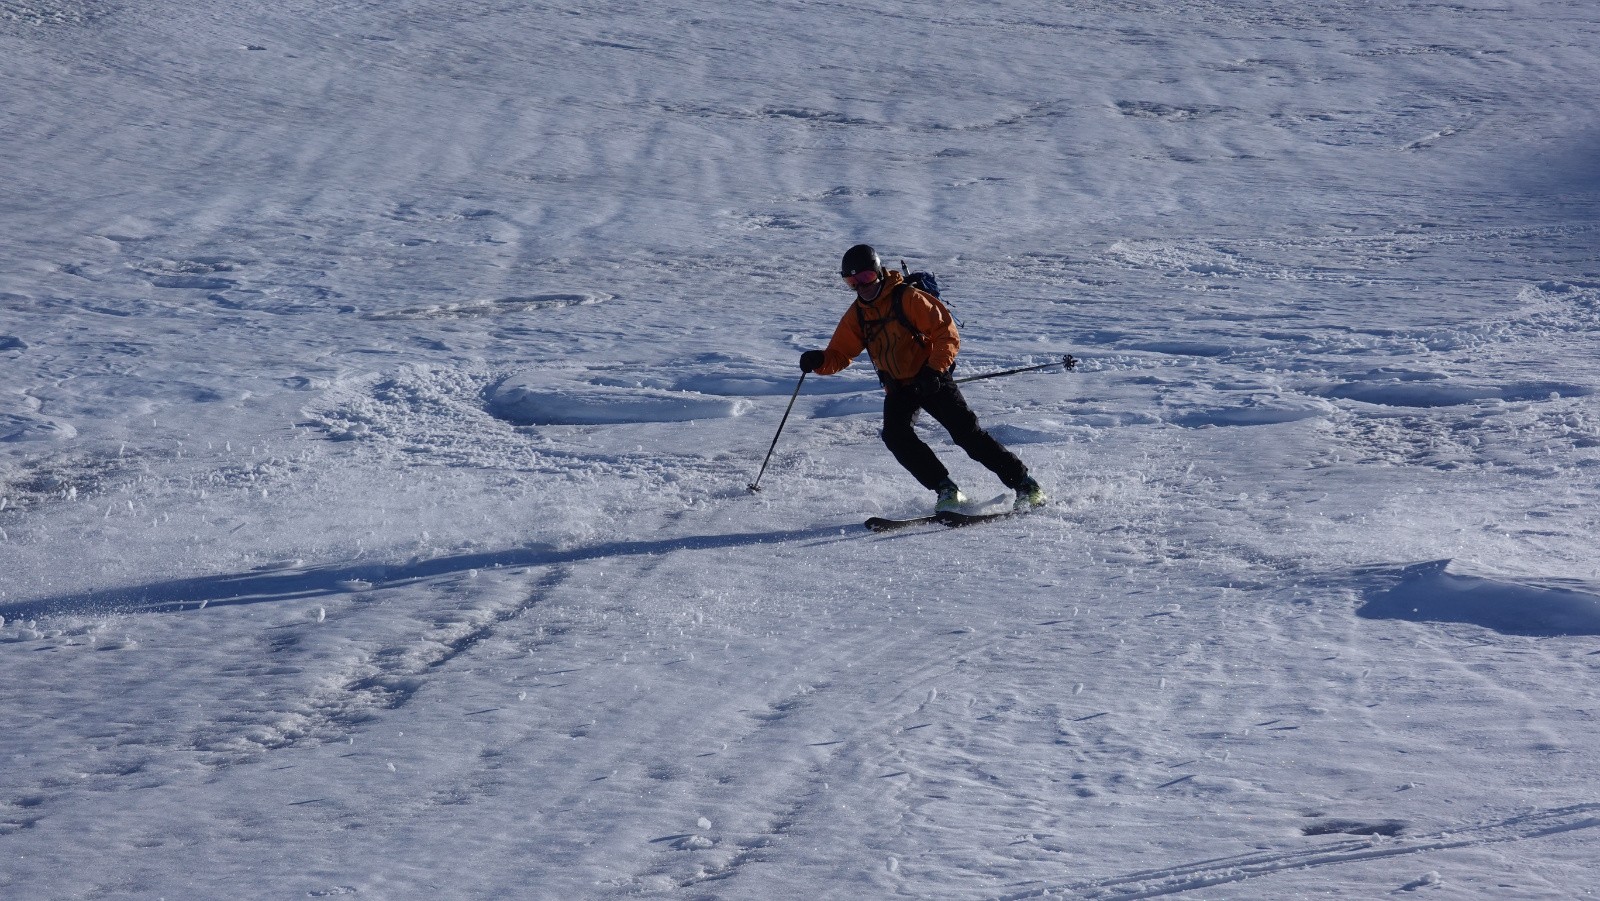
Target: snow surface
(381, 382)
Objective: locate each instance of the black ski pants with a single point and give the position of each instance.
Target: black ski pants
(944, 403)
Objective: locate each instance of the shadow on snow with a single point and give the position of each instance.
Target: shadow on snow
(262, 586)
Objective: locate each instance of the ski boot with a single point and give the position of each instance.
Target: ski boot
(950, 497)
(1029, 495)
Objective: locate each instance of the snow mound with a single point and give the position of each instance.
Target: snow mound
(718, 374)
(1256, 412)
(1185, 348)
(1041, 432)
(735, 385)
(1442, 592)
(533, 400)
(24, 427)
(865, 402)
(1430, 394)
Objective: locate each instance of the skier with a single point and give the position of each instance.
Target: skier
(912, 342)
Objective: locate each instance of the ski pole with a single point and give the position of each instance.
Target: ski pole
(1068, 363)
(756, 485)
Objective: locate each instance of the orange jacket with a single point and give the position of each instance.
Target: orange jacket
(895, 350)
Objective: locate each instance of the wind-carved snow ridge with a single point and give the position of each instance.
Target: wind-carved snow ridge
(1400, 389)
(1447, 592)
(1257, 410)
(529, 427)
(429, 409)
(21, 419)
(499, 307)
(17, 427)
(538, 399)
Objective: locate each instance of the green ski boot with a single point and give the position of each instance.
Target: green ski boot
(950, 498)
(1029, 495)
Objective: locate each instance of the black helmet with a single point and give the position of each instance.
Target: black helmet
(860, 258)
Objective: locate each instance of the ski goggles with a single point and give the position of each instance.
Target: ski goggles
(861, 279)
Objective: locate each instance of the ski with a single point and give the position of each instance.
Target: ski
(880, 524)
(884, 524)
(957, 520)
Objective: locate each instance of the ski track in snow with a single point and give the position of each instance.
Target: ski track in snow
(1207, 874)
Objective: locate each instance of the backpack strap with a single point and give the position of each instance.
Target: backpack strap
(900, 314)
(898, 309)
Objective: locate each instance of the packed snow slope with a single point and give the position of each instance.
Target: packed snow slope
(380, 382)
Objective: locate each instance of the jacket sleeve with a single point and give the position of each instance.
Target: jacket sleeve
(933, 320)
(847, 344)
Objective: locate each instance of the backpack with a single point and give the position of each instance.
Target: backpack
(922, 281)
(927, 281)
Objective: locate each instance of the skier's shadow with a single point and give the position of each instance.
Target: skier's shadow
(287, 584)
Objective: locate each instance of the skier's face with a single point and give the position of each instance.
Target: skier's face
(867, 284)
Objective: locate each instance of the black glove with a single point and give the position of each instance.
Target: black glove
(810, 360)
(928, 381)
